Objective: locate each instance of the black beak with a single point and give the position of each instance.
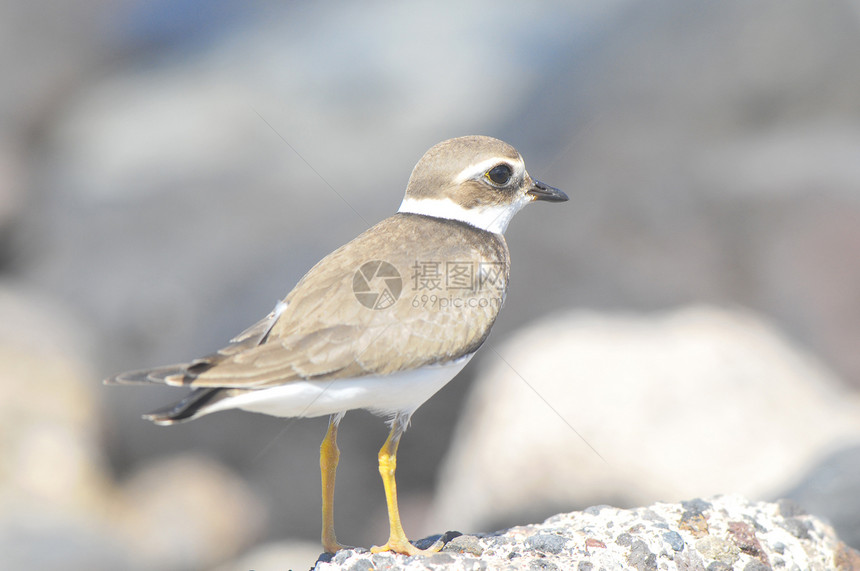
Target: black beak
(541, 191)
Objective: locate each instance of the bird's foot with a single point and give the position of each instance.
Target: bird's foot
(332, 546)
(402, 546)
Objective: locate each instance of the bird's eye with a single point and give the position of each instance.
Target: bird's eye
(500, 174)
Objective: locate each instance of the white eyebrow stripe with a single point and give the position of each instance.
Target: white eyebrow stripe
(476, 170)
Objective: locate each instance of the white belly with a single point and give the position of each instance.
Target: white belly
(385, 395)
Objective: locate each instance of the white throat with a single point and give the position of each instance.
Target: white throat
(490, 218)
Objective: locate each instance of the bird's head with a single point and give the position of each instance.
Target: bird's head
(478, 180)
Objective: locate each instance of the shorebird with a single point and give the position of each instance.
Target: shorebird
(381, 323)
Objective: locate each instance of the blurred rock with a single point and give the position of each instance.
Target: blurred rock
(707, 160)
(832, 488)
(297, 555)
(59, 504)
(55, 490)
(189, 513)
(50, 449)
(629, 408)
(35, 540)
(725, 532)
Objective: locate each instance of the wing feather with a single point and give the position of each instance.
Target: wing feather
(321, 331)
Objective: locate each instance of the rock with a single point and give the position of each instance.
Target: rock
(56, 490)
(740, 535)
(60, 506)
(50, 441)
(703, 168)
(188, 512)
(584, 408)
(546, 543)
(832, 488)
(674, 539)
(297, 555)
(465, 544)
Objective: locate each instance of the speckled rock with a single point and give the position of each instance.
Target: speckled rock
(720, 533)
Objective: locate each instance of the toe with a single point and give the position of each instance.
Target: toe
(334, 546)
(405, 548)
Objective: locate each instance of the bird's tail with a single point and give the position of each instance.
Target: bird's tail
(196, 404)
(174, 375)
(192, 406)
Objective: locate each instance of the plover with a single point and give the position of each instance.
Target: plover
(381, 323)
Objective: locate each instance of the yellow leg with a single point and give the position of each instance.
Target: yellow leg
(329, 456)
(397, 541)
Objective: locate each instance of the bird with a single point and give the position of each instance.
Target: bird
(381, 323)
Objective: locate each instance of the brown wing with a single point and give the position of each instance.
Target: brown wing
(326, 332)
